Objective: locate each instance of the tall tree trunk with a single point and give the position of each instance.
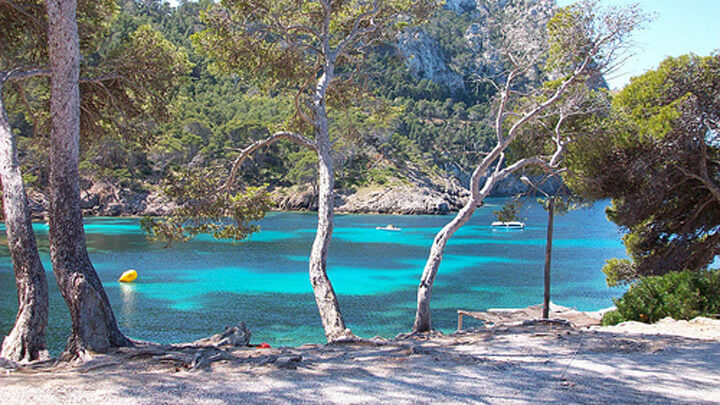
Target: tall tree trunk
(93, 323)
(26, 341)
(548, 257)
(325, 297)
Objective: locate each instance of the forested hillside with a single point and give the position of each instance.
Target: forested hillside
(422, 123)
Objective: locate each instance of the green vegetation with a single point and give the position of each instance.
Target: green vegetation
(509, 211)
(659, 161)
(205, 209)
(210, 115)
(680, 295)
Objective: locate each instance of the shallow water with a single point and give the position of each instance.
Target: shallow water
(192, 290)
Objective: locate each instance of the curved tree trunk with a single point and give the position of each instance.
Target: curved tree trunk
(93, 323)
(422, 314)
(26, 341)
(325, 297)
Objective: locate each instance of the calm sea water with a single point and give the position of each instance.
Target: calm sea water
(192, 290)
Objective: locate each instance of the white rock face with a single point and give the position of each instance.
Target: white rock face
(425, 59)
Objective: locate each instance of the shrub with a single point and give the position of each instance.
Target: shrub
(680, 295)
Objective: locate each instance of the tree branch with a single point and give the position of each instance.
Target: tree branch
(26, 103)
(705, 180)
(520, 164)
(297, 138)
(505, 95)
(558, 93)
(355, 30)
(24, 73)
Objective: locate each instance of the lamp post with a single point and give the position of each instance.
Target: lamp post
(548, 245)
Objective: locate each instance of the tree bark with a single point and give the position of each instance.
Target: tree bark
(93, 323)
(26, 341)
(422, 314)
(325, 297)
(548, 257)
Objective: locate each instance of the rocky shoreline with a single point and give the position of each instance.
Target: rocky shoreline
(418, 196)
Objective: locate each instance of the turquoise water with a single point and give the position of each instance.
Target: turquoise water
(192, 290)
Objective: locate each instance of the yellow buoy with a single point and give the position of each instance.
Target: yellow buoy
(128, 276)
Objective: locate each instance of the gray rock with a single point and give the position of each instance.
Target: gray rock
(289, 362)
(89, 201)
(114, 209)
(425, 59)
(236, 336)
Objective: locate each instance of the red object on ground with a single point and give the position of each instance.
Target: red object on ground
(263, 345)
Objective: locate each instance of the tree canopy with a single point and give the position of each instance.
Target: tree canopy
(659, 161)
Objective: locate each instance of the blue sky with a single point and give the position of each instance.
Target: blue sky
(679, 27)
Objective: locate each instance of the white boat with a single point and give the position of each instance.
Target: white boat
(508, 225)
(390, 227)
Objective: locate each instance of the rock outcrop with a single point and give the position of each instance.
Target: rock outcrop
(425, 59)
(103, 199)
(406, 198)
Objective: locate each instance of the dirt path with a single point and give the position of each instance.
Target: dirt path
(531, 364)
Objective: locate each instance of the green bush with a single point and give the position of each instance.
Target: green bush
(680, 295)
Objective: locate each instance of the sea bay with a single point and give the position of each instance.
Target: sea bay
(192, 290)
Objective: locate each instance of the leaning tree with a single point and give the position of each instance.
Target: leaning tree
(310, 50)
(579, 43)
(124, 82)
(22, 36)
(149, 67)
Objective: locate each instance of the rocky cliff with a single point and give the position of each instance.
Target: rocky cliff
(425, 57)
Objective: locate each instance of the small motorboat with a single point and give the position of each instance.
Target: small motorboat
(508, 225)
(391, 228)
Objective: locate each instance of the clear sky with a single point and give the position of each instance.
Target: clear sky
(679, 27)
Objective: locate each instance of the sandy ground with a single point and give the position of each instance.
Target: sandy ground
(522, 364)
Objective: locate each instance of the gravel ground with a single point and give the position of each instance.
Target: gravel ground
(521, 364)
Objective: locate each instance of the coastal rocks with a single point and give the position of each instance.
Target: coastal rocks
(512, 185)
(406, 200)
(105, 199)
(156, 204)
(296, 199)
(418, 196)
(37, 203)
